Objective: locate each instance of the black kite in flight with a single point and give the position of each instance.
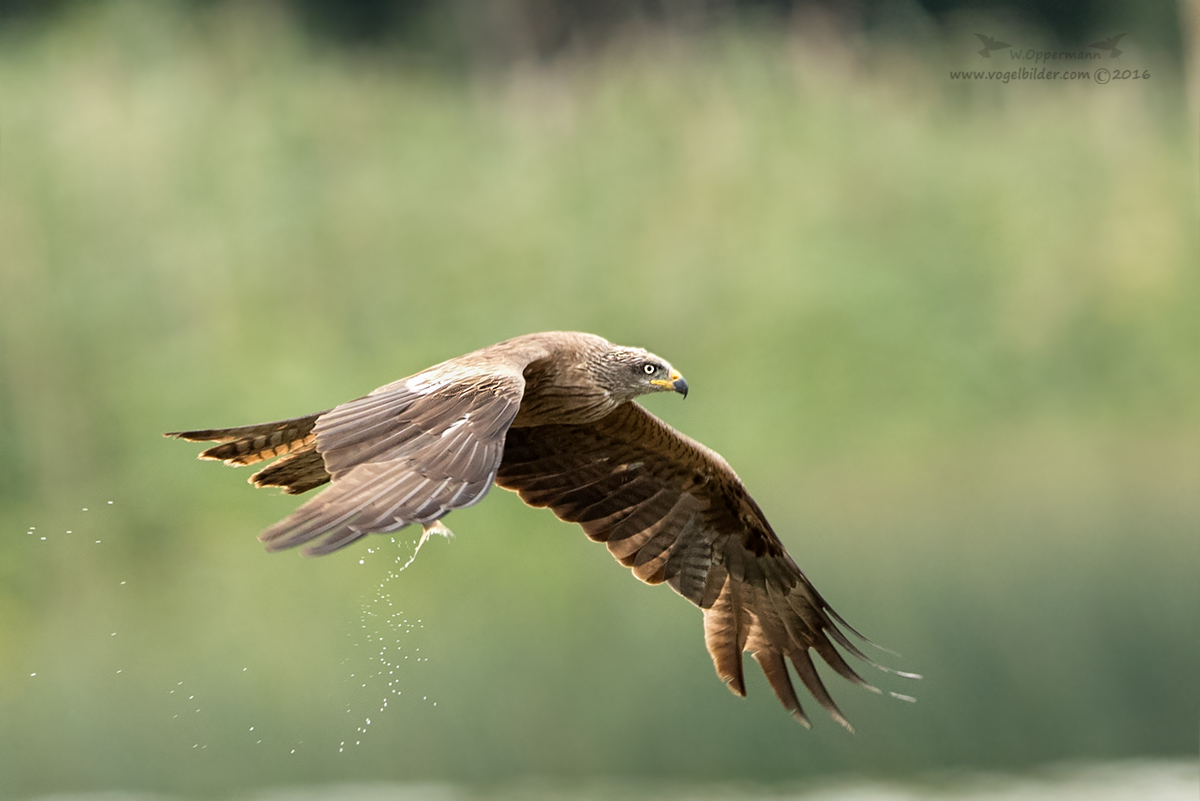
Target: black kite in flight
(550, 416)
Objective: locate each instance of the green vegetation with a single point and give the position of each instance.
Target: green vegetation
(945, 331)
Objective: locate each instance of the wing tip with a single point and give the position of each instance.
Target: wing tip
(736, 685)
(274, 537)
(271, 545)
(274, 543)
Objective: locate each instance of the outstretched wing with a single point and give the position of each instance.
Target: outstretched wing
(674, 511)
(407, 453)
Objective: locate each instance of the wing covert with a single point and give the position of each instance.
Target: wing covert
(407, 453)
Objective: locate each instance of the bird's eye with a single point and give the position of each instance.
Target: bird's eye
(650, 369)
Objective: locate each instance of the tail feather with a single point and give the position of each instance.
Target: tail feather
(297, 472)
(250, 444)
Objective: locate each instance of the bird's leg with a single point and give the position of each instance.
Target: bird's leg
(436, 527)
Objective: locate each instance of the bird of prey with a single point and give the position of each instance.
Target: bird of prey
(1109, 44)
(990, 44)
(551, 416)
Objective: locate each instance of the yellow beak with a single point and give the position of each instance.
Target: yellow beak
(675, 383)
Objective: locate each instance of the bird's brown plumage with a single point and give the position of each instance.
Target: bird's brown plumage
(550, 416)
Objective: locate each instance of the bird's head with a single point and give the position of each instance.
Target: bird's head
(630, 372)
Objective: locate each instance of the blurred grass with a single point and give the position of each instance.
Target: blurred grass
(945, 332)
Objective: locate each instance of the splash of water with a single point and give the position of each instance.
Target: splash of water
(387, 628)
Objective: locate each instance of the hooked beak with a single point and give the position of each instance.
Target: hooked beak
(675, 383)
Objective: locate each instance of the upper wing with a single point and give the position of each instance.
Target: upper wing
(674, 511)
(407, 453)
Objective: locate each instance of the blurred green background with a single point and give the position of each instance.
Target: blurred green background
(946, 331)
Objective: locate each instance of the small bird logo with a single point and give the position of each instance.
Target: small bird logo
(1109, 44)
(990, 44)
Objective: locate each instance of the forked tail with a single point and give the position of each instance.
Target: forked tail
(302, 468)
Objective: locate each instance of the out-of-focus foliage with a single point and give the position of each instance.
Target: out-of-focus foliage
(946, 332)
(487, 31)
